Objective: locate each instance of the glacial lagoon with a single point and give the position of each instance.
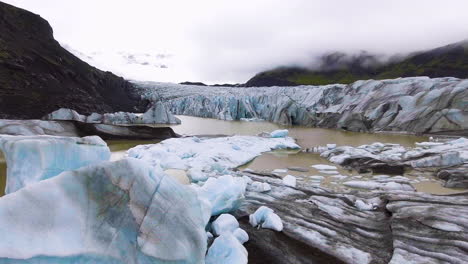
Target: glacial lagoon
(306, 137)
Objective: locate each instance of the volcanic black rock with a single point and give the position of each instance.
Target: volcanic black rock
(38, 76)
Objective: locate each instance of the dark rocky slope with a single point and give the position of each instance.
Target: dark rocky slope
(38, 76)
(337, 67)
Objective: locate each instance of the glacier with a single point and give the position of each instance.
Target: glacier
(122, 212)
(414, 104)
(156, 114)
(34, 158)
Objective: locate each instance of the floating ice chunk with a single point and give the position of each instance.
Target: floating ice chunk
(428, 144)
(339, 177)
(241, 235)
(68, 218)
(372, 185)
(247, 179)
(331, 146)
(289, 180)
(317, 178)
(259, 187)
(273, 221)
(94, 118)
(329, 172)
(361, 205)
(395, 178)
(197, 175)
(323, 167)
(279, 133)
(380, 177)
(226, 249)
(442, 160)
(34, 158)
(280, 171)
(159, 114)
(300, 169)
(224, 223)
(266, 218)
(224, 193)
(252, 119)
(65, 114)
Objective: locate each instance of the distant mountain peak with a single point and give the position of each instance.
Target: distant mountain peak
(338, 67)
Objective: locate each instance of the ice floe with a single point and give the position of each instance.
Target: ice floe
(208, 154)
(323, 167)
(374, 185)
(279, 133)
(289, 180)
(34, 158)
(259, 187)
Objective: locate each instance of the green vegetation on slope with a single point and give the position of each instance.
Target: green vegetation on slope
(448, 61)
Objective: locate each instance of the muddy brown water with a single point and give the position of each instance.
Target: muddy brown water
(306, 137)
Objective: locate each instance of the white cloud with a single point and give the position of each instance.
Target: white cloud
(229, 41)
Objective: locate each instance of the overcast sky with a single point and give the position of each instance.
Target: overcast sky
(230, 41)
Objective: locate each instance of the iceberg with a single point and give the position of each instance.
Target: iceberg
(323, 167)
(363, 206)
(279, 171)
(266, 218)
(224, 223)
(65, 114)
(226, 249)
(279, 133)
(241, 235)
(156, 114)
(34, 158)
(289, 180)
(259, 187)
(159, 114)
(123, 212)
(225, 193)
(376, 185)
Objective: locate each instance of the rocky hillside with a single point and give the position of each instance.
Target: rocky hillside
(447, 61)
(38, 76)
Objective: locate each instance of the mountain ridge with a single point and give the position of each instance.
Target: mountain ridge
(38, 76)
(446, 61)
